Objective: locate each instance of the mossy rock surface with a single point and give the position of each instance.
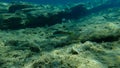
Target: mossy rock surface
(89, 42)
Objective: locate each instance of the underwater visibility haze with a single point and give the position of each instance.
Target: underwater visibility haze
(60, 34)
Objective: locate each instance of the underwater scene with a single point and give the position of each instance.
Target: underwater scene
(60, 34)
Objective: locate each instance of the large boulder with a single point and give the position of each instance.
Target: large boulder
(50, 15)
(27, 15)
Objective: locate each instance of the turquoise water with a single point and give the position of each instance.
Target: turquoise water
(48, 1)
(57, 2)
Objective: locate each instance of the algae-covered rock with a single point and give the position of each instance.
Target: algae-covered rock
(16, 7)
(4, 7)
(12, 21)
(77, 11)
(89, 42)
(66, 61)
(39, 15)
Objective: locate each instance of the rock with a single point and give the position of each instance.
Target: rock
(43, 17)
(12, 21)
(50, 16)
(4, 7)
(14, 7)
(77, 11)
(23, 15)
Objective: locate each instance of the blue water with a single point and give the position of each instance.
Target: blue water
(53, 2)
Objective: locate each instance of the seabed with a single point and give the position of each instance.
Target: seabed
(91, 41)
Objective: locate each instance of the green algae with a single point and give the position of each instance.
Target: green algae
(88, 43)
